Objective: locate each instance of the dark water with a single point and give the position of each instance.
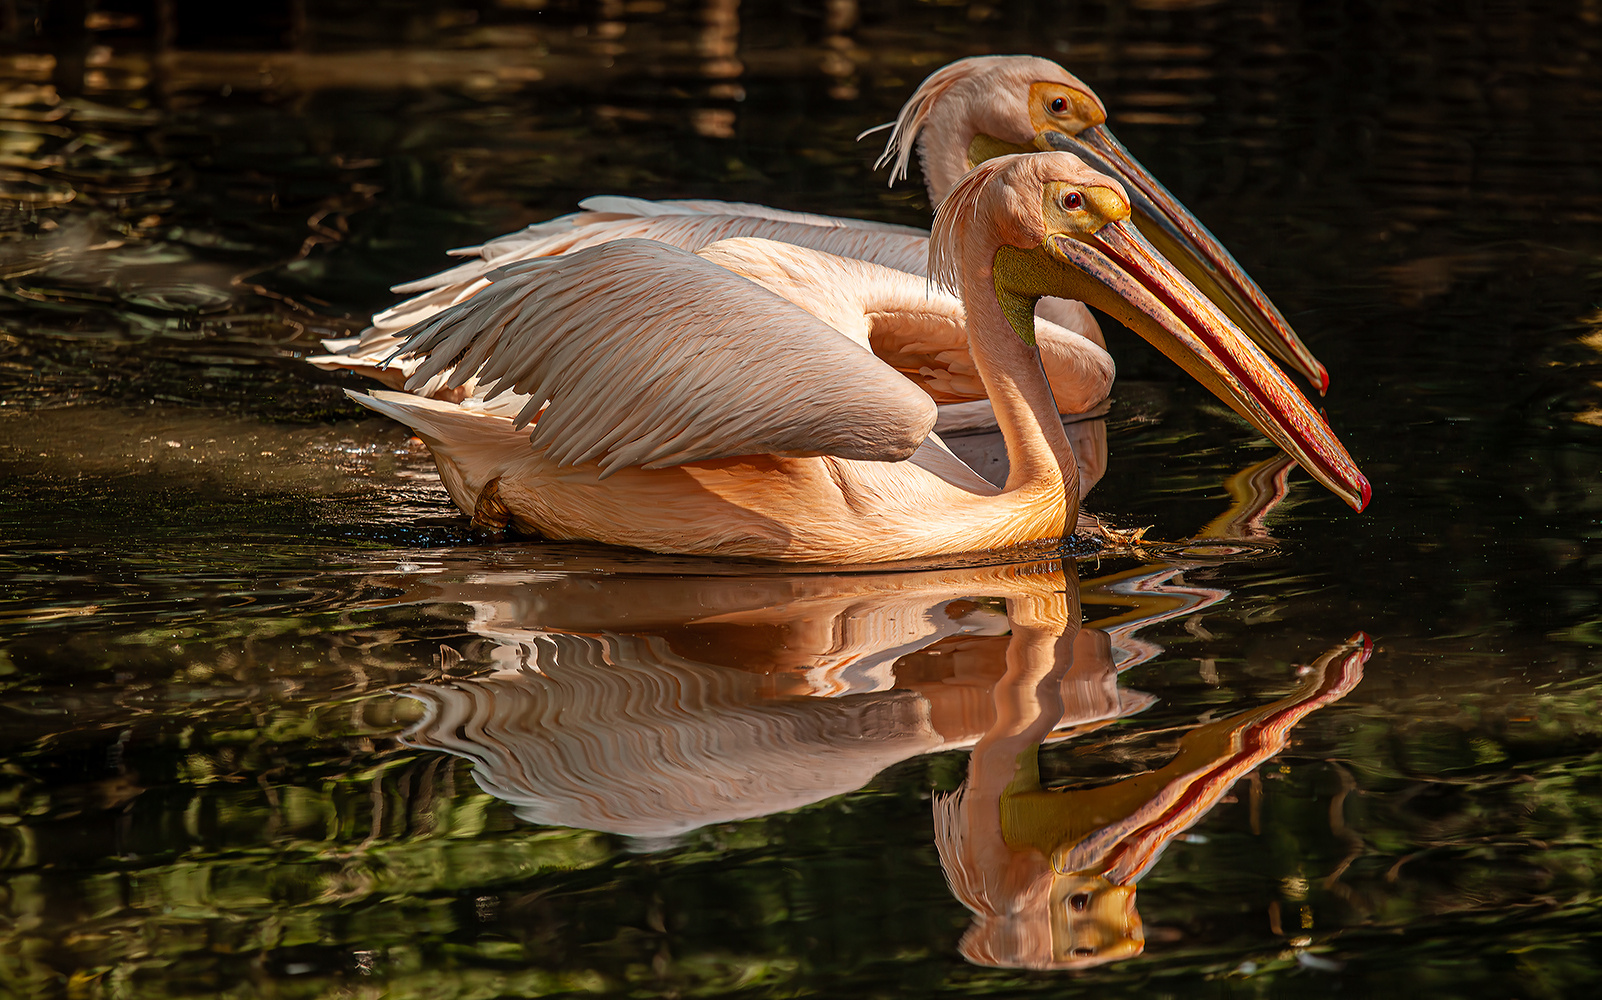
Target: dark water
(276, 723)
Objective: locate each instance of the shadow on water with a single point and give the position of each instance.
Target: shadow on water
(277, 723)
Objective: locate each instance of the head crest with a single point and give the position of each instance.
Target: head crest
(904, 131)
(960, 209)
(937, 86)
(1011, 927)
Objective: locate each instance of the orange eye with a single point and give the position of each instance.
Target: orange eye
(1073, 200)
(1059, 105)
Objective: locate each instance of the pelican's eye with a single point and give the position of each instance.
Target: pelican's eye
(1079, 901)
(1073, 200)
(1059, 105)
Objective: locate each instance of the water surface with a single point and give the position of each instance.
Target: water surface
(277, 723)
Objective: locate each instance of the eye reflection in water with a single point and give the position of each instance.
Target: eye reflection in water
(652, 705)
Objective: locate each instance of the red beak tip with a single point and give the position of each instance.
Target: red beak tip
(1323, 380)
(1368, 492)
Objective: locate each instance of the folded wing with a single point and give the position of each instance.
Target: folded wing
(643, 354)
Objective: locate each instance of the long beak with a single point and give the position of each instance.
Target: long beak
(1196, 252)
(1119, 271)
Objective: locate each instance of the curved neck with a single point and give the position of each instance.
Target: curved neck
(958, 136)
(1037, 447)
(943, 146)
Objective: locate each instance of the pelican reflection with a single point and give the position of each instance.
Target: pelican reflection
(1050, 874)
(649, 706)
(647, 700)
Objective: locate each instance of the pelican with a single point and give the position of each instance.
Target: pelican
(987, 106)
(679, 407)
(953, 119)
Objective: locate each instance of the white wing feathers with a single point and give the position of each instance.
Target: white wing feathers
(646, 355)
(690, 225)
(623, 205)
(894, 247)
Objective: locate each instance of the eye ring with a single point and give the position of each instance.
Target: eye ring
(1073, 200)
(1059, 105)
(1079, 902)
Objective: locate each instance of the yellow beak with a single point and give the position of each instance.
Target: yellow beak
(1117, 270)
(1182, 239)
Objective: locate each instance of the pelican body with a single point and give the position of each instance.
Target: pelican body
(679, 407)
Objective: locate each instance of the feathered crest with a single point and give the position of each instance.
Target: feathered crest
(960, 208)
(1010, 929)
(1000, 86)
(904, 130)
(968, 881)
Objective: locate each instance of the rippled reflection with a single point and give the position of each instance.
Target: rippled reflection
(769, 694)
(201, 792)
(650, 706)
(1050, 873)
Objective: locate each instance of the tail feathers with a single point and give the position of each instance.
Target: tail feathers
(512, 244)
(420, 307)
(625, 205)
(452, 281)
(491, 249)
(370, 350)
(452, 424)
(470, 446)
(368, 356)
(374, 348)
(394, 378)
(335, 345)
(371, 356)
(546, 239)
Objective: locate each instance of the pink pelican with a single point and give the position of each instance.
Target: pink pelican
(680, 407)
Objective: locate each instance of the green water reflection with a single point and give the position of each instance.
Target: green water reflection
(275, 723)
